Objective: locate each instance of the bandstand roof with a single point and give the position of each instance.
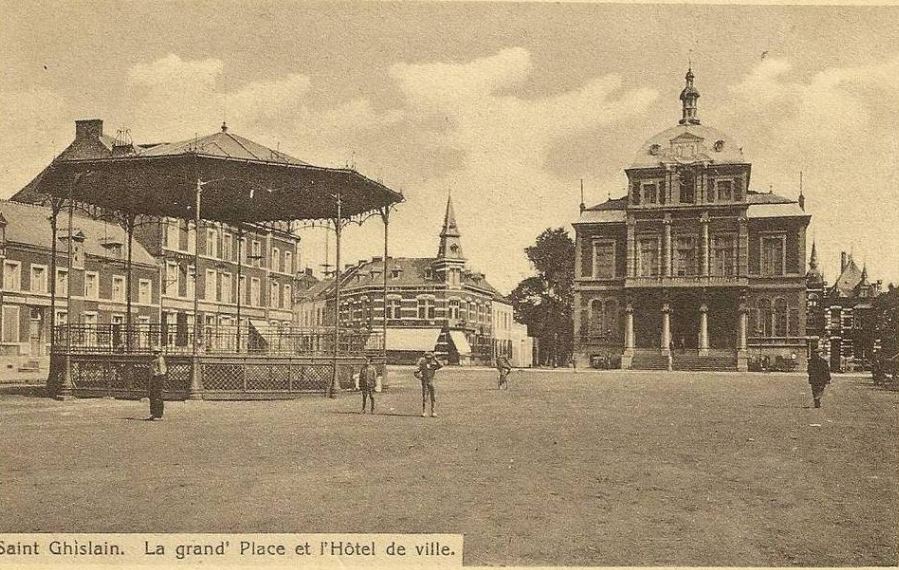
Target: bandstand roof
(241, 181)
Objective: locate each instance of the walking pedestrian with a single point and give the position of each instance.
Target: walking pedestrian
(368, 378)
(427, 366)
(504, 367)
(158, 370)
(818, 376)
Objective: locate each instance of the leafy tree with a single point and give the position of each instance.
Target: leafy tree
(543, 302)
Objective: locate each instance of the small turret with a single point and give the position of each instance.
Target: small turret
(689, 97)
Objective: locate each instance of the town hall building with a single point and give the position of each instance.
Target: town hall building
(691, 269)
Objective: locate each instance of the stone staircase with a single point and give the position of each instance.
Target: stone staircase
(693, 361)
(649, 361)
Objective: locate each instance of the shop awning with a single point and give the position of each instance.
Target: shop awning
(419, 340)
(260, 325)
(458, 338)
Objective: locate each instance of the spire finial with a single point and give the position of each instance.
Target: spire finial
(813, 260)
(224, 127)
(688, 99)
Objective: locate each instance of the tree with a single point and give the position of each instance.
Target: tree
(543, 302)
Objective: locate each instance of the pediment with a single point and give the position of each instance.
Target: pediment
(686, 137)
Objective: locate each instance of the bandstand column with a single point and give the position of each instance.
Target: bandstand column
(334, 386)
(67, 386)
(195, 391)
(703, 329)
(628, 356)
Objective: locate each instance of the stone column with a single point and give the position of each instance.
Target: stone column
(743, 321)
(667, 248)
(628, 356)
(705, 270)
(666, 333)
(631, 248)
(743, 247)
(703, 329)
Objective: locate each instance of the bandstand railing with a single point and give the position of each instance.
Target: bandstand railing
(270, 363)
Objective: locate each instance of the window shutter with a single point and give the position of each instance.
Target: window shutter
(710, 190)
(636, 192)
(738, 189)
(662, 193)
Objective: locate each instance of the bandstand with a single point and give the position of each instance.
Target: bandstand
(193, 182)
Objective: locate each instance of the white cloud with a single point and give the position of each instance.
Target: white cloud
(35, 126)
(838, 126)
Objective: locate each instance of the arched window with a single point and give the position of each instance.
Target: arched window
(596, 318)
(780, 317)
(763, 317)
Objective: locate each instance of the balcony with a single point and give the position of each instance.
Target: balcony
(660, 281)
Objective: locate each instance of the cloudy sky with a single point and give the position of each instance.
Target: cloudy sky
(505, 105)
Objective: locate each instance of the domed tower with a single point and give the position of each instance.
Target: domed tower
(689, 163)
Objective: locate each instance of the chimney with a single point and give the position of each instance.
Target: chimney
(842, 261)
(88, 129)
(308, 272)
(377, 259)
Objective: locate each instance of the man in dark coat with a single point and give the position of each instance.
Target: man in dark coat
(818, 376)
(158, 370)
(368, 379)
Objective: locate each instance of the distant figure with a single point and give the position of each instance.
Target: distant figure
(368, 377)
(158, 370)
(818, 376)
(503, 366)
(427, 366)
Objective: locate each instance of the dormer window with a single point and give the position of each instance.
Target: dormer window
(113, 248)
(427, 273)
(719, 146)
(655, 149)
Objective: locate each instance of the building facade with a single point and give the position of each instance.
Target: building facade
(691, 269)
(842, 318)
(432, 304)
(93, 295)
(242, 271)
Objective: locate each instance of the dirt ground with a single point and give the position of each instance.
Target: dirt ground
(596, 468)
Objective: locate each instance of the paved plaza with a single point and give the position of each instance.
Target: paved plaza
(595, 468)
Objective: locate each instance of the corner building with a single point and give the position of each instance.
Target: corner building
(692, 269)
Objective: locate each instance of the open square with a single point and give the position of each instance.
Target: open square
(565, 468)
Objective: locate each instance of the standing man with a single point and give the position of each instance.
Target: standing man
(158, 371)
(368, 378)
(427, 366)
(818, 376)
(503, 366)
